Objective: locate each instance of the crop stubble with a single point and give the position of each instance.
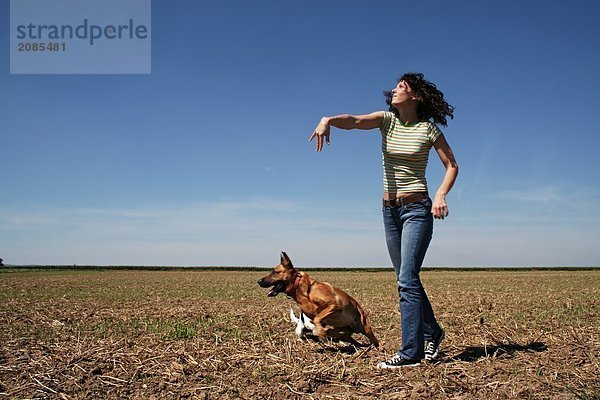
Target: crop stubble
(215, 335)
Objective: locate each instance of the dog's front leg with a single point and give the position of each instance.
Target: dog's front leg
(319, 329)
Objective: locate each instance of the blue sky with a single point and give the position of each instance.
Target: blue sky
(206, 160)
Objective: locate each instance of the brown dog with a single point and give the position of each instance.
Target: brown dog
(334, 313)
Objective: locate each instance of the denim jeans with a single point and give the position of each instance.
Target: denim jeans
(408, 231)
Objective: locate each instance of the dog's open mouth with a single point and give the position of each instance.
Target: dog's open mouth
(277, 288)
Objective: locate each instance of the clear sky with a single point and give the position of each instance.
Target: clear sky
(206, 160)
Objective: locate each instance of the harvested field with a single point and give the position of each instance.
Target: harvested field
(215, 335)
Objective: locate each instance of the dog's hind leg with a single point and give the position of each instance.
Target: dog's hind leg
(344, 334)
(325, 327)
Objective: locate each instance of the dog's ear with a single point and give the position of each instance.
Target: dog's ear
(285, 260)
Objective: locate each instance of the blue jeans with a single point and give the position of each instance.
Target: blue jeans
(408, 231)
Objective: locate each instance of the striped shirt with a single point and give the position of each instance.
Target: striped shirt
(405, 151)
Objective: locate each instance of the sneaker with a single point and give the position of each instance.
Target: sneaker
(432, 348)
(398, 362)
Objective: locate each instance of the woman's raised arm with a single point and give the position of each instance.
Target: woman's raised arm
(345, 121)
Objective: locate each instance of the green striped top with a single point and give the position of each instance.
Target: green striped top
(405, 151)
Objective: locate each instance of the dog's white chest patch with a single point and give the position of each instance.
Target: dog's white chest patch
(304, 325)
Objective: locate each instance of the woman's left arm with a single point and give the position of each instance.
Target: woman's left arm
(439, 208)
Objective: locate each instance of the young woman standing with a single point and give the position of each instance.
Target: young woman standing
(408, 132)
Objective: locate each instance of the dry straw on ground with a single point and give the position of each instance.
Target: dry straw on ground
(215, 335)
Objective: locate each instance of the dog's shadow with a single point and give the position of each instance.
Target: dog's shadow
(474, 353)
(336, 345)
(348, 349)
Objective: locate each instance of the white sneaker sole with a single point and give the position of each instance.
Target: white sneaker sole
(383, 365)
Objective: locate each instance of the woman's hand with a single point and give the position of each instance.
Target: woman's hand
(439, 209)
(321, 131)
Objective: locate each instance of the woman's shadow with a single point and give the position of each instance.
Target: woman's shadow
(469, 354)
(474, 353)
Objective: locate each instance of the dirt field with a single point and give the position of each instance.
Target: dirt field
(215, 335)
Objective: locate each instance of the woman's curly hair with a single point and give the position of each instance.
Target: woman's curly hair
(432, 105)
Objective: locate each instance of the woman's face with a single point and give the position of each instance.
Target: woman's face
(402, 94)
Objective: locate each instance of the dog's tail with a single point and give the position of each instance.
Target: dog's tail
(366, 326)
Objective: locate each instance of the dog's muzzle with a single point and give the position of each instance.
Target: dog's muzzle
(278, 287)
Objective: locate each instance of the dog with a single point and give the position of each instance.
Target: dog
(304, 325)
(333, 312)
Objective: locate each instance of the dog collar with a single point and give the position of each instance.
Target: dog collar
(296, 282)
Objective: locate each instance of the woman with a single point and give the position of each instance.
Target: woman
(408, 132)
